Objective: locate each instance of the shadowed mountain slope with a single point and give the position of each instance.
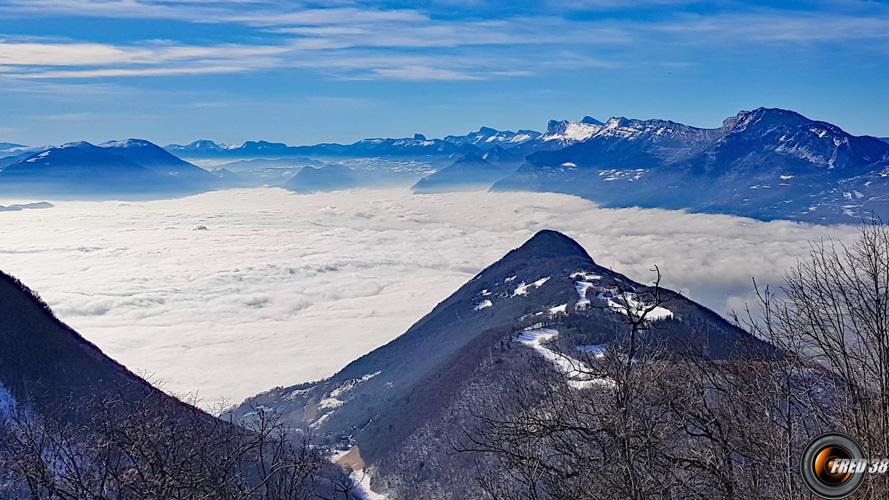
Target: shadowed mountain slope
(48, 365)
(470, 172)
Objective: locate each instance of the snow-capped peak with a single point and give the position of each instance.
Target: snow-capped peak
(570, 132)
(75, 144)
(125, 143)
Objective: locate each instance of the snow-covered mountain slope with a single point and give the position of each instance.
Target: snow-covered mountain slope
(397, 407)
(566, 132)
(765, 163)
(156, 159)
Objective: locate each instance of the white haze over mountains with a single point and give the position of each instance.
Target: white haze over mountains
(281, 288)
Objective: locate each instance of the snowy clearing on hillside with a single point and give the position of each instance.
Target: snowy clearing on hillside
(629, 304)
(483, 305)
(582, 287)
(578, 374)
(562, 309)
(523, 288)
(361, 483)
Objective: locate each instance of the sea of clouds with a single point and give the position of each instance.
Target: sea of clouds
(231, 293)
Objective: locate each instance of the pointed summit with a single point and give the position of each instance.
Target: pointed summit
(500, 155)
(549, 244)
(764, 117)
(470, 172)
(470, 157)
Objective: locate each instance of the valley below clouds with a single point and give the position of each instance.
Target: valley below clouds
(230, 293)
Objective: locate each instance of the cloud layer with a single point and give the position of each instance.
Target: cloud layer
(283, 288)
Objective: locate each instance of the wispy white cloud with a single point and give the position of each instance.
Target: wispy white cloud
(284, 288)
(607, 5)
(97, 54)
(778, 26)
(349, 40)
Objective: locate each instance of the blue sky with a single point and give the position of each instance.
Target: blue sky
(303, 72)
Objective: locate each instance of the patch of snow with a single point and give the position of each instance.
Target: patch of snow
(582, 287)
(522, 289)
(296, 393)
(37, 157)
(629, 304)
(124, 143)
(350, 384)
(819, 132)
(585, 276)
(483, 305)
(361, 485)
(578, 374)
(336, 455)
(511, 278)
(562, 309)
(486, 292)
(320, 421)
(574, 132)
(609, 175)
(330, 403)
(539, 283)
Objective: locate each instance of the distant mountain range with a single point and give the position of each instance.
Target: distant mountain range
(766, 163)
(397, 409)
(130, 167)
(559, 134)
